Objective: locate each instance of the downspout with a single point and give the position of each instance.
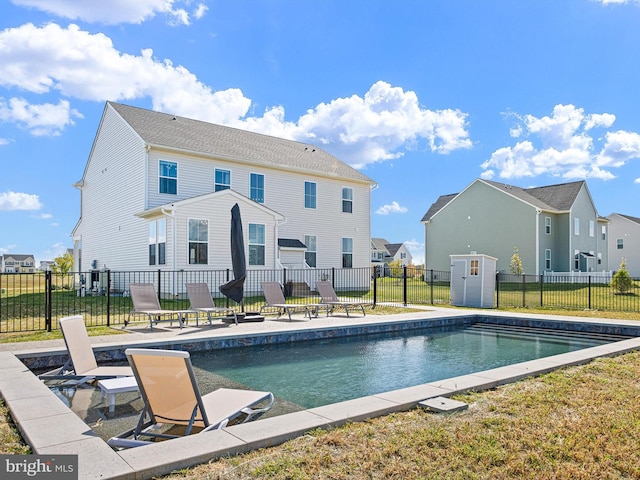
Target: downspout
(276, 252)
(538, 212)
(172, 215)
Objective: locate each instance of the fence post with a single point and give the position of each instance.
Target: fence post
(404, 285)
(47, 300)
(431, 287)
(108, 272)
(333, 277)
(497, 289)
(589, 277)
(541, 290)
(524, 301)
(159, 285)
(375, 285)
(226, 281)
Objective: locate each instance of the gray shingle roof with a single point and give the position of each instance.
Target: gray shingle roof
(629, 217)
(170, 131)
(379, 243)
(552, 198)
(290, 243)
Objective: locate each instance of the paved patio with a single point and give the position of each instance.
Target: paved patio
(52, 428)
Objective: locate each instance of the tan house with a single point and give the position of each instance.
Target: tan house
(14, 263)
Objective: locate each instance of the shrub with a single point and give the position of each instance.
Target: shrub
(621, 281)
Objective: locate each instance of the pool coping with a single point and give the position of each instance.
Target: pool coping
(51, 428)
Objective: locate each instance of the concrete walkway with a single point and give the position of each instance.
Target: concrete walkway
(51, 428)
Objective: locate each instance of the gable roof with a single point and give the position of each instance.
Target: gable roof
(628, 217)
(379, 243)
(393, 248)
(552, 198)
(185, 134)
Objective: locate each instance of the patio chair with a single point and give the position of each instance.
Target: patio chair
(201, 300)
(82, 366)
(145, 302)
(173, 406)
(274, 298)
(330, 299)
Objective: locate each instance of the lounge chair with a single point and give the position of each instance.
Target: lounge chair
(145, 302)
(82, 365)
(201, 301)
(330, 299)
(274, 298)
(173, 406)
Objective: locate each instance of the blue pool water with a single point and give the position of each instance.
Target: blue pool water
(320, 372)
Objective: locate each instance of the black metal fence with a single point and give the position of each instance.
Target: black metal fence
(34, 302)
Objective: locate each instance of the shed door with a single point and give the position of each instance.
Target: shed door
(458, 282)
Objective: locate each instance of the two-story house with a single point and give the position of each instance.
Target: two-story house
(384, 252)
(13, 263)
(624, 242)
(555, 228)
(157, 192)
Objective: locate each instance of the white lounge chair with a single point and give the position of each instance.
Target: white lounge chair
(82, 365)
(171, 398)
(145, 302)
(274, 298)
(201, 300)
(330, 299)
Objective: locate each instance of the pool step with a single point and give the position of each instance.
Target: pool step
(522, 331)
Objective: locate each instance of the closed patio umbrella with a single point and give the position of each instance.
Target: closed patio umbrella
(235, 288)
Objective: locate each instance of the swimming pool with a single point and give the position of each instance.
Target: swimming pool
(320, 372)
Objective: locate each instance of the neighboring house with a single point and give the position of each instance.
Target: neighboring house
(12, 263)
(624, 242)
(158, 189)
(383, 252)
(45, 265)
(555, 228)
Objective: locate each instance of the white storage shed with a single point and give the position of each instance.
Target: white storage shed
(473, 280)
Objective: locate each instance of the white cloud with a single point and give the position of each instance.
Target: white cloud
(637, 180)
(43, 216)
(74, 63)
(113, 12)
(19, 201)
(416, 248)
(560, 145)
(393, 207)
(43, 119)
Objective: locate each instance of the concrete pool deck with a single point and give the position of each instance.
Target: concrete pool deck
(51, 428)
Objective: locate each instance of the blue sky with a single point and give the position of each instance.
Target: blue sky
(423, 96)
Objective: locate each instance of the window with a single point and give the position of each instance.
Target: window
(198, 242)
(256, 244)
(604, 232)
(222, 180)
(347, 200)
(599, 258)
(547, 225)
(157, 241)
(619, 244)
(576, 226)
(311, 252)
(592, 228)
(474, 267)
(576, 260)
(256, 189)
(168, 177)
(547, 259)
(309, 195)
(347, 252)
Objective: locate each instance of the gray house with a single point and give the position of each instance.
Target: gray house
(555, 228)
(624, 242)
